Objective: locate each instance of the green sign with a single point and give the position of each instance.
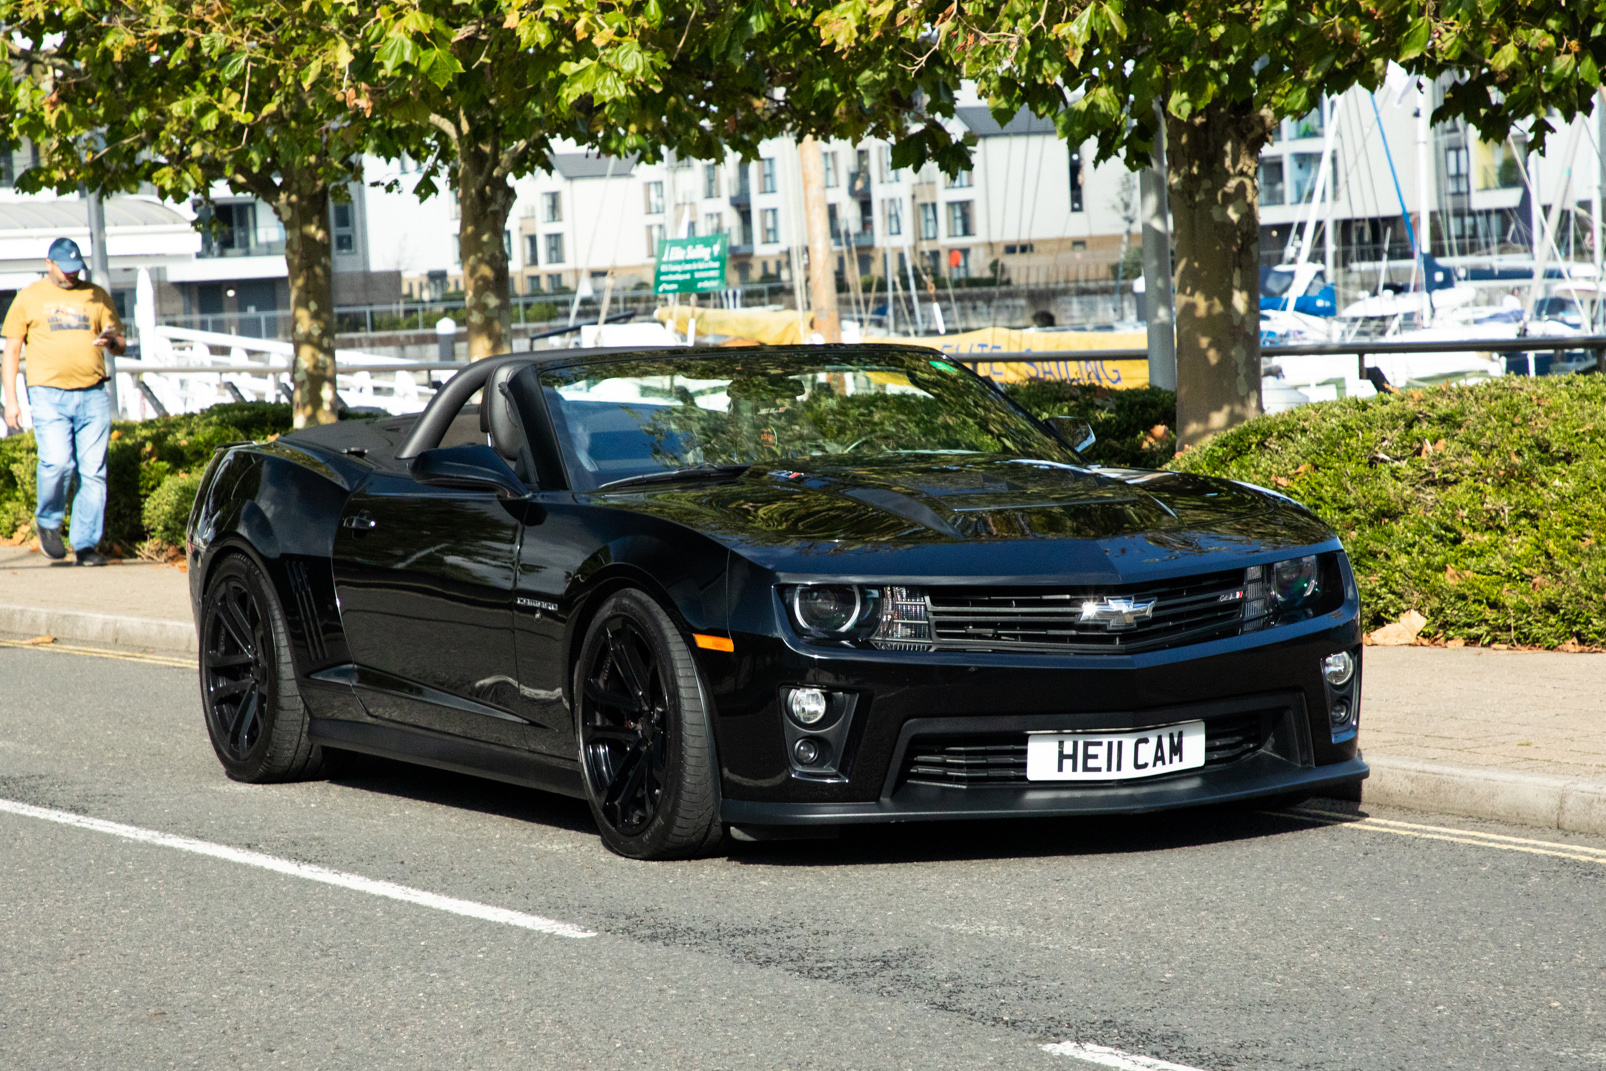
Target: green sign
(690, 265)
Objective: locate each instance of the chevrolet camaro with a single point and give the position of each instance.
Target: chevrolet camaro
(767, 591)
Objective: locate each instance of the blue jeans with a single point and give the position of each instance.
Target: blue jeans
(71, 428)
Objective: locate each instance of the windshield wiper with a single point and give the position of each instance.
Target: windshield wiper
(693, 472)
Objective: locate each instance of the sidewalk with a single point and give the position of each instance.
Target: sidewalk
(1514, 736)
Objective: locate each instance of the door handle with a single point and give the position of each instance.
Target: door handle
(360, 522)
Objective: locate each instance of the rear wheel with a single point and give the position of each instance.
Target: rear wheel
(646, 751)
(254, 712)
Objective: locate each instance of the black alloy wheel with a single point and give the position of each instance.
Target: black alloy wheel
(254, 712)
(645, 747)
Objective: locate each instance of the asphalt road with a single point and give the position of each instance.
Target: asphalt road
(1213, 940)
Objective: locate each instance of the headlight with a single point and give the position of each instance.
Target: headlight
(827, 608)
(888, 617)
(1272, 590)
(1294, 582)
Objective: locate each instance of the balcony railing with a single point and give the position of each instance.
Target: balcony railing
(256, 249)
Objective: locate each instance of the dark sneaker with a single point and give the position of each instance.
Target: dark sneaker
(90, 556)
(50, 542)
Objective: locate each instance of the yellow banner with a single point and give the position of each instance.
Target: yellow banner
(1013, 347)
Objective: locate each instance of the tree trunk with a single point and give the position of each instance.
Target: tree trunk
(485, 198)
(1214, 160)
(302, 205)
(822, 280)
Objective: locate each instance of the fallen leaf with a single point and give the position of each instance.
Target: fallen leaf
(1401, 633)
(1303, 469)
(1281, 481)
(38, 641)
(1457, 642)
(1454, 575)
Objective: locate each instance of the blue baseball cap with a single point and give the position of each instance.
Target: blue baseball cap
(64, 251)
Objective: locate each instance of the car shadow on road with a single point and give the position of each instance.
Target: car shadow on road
(424, 784)
(1048, 837)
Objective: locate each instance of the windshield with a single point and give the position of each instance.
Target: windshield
(635, 418)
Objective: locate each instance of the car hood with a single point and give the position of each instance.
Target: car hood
(954, 513)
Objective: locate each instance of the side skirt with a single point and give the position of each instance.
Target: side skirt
(452, 753)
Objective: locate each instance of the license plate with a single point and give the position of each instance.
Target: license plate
(1115, 756)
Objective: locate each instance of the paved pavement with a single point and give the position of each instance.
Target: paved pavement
(1221, 940)
(1509, 735)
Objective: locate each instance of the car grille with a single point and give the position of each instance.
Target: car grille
(1000, 758)
(1185, 610)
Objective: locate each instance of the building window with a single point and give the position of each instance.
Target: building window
(745, 229)
(552, 207)
(928, 222)
(1023, 247)
(1309, 126)
(554, 249)
(769, 220)
(554, 280)
(1078, 245)
(1271, 181)
(1457, 176)
(831, 178)
(714, 222)
(532, 284)
(884, 160)
(1076, 182)
(710, 180)
(655, 238)
(960, 181)
(655, 198)
(766, 175)
(836, 224)
(959, 221)
(1494, 166)
(962, 269)
(1305, 167)
(892, 212)
(531, 248)
(345, 230)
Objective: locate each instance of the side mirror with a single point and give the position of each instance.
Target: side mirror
(473, 468)
(1077, 434)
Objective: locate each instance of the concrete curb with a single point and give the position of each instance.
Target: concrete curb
(1528, 799)
(160, 633)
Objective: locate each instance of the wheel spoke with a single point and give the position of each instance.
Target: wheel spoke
(246, 720)
(230, 689)
(231, 661)
(609, 698)
(233, 621)
(631, 672)
(609, 734)
(626, 775)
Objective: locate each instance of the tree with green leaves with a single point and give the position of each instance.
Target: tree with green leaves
(257, 94)
(1223, 75)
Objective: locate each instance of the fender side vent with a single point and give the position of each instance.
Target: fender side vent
(306, 610)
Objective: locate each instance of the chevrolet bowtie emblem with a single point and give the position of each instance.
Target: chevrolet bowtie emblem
(1116, 614)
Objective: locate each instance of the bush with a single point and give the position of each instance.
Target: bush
(1133, 426)
(1481, 507)
(151, 461)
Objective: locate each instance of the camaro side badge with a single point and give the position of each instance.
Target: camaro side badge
(1116, 613)
(537, 605)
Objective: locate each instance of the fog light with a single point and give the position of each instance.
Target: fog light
(1339, 714)
(806, 705)
(806, 751)
(1338, 668)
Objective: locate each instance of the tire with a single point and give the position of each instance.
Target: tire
(254, 712)
(643, 728)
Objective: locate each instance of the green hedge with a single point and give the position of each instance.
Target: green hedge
(1483, 507)
(152, 469)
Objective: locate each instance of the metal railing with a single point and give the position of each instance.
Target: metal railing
(1359, 350)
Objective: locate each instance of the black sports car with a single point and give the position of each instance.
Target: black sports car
(766, 588)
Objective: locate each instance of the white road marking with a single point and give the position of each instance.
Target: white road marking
(1105, 1056)
(310, 872)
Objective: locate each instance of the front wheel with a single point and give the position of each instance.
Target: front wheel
(254, 711)
(642, 718)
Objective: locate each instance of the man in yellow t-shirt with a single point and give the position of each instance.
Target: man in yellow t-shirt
(67, 325)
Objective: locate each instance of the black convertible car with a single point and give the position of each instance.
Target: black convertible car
(753, 589)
